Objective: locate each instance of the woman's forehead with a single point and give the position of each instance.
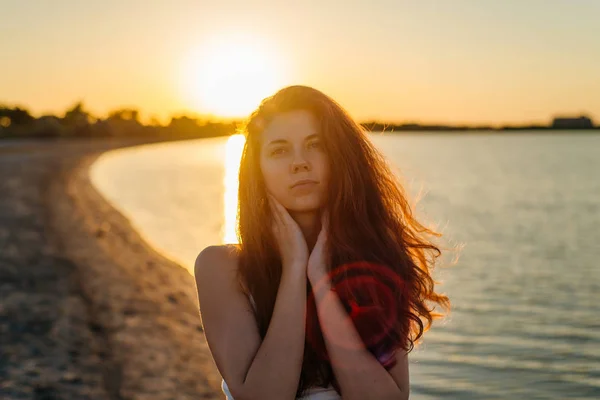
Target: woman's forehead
(293, 124)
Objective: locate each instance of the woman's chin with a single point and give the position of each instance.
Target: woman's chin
(305, 204)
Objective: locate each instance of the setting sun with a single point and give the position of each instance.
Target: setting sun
(231, 75)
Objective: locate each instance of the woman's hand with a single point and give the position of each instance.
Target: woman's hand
(317, 261)
(290, 240)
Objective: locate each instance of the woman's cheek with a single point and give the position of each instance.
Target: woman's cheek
(275, 182)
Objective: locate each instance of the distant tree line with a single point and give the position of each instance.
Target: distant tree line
(16, 122)
(558, 123)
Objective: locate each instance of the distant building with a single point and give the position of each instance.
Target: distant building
(582, 122)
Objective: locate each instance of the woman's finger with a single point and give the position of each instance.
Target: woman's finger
(281, 211)
(272, 205)
(275, 210)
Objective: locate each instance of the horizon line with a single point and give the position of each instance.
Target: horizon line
(147, 117)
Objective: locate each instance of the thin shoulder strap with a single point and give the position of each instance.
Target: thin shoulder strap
(252, 301)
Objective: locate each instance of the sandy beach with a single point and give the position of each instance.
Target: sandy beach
(88, 310)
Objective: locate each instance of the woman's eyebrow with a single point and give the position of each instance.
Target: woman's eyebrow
(283, 141)
(276, 141)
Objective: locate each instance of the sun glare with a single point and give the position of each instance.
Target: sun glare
(231, 75)
(233, 155)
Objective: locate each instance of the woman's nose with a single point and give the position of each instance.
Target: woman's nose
(300, 164)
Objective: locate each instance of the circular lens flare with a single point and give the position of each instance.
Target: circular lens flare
(370, 294)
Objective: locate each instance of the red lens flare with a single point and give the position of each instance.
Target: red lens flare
(357, 285)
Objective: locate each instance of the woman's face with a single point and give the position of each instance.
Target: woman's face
(291, 151)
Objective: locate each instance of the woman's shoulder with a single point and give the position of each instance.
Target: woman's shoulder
(216, 260)
(225, 251)
(219, 257)
(218, 284)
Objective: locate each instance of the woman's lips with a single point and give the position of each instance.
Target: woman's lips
(304, 182)
(303, 187)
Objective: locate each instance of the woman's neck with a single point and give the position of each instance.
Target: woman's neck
(310, 225)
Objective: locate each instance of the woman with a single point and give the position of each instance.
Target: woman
(325, 294)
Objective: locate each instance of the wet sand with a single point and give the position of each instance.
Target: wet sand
(87, 309)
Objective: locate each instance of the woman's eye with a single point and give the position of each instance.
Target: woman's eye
(314, 145)
(277, 151)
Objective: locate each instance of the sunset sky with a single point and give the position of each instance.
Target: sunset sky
(457, 61)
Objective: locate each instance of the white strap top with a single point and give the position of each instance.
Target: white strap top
(314, 393)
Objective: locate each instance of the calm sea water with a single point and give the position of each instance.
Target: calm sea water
(525, 321)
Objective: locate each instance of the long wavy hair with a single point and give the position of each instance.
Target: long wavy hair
(381, 257)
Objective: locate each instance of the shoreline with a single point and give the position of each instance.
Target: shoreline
(121, 320)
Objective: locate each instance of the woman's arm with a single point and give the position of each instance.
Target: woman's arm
(359, 374)
(252, 369)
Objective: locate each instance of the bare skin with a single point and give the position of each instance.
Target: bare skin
(292, 151)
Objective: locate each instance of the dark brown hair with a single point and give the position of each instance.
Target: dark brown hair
(373, 233)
